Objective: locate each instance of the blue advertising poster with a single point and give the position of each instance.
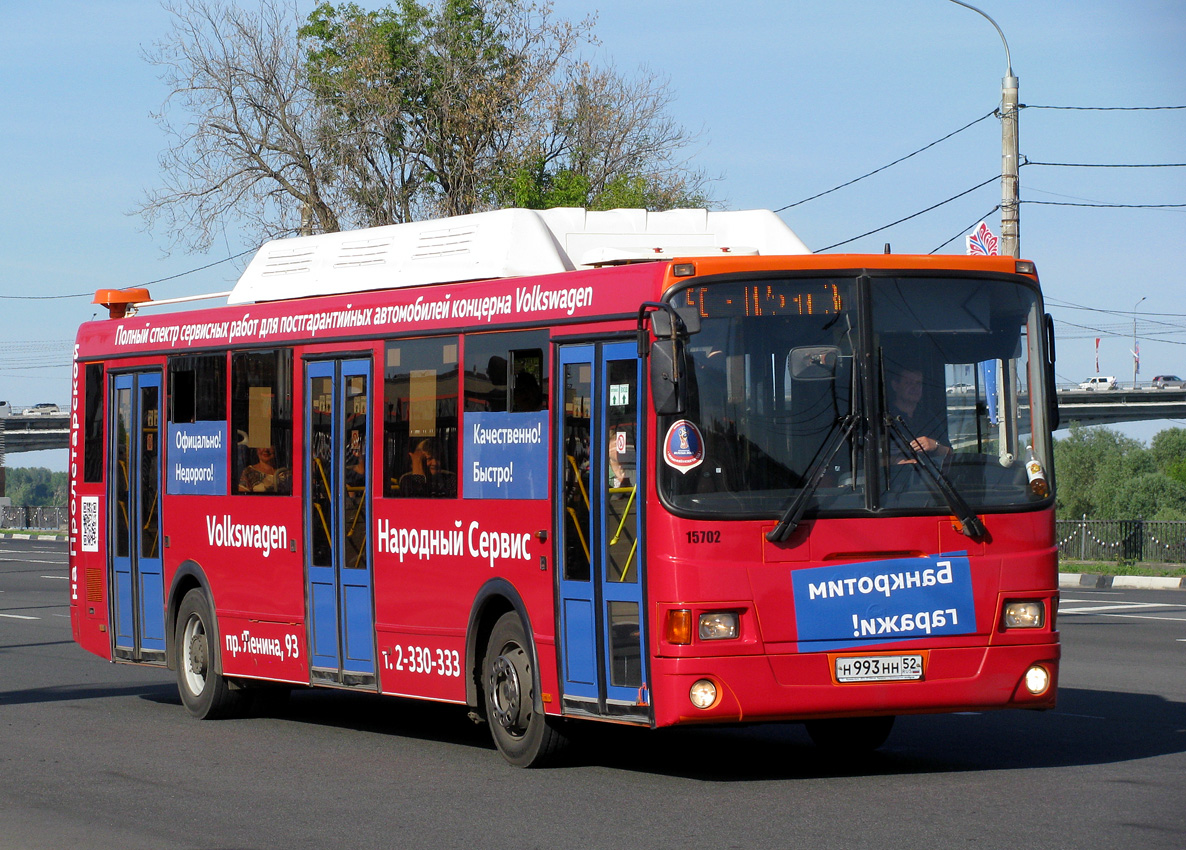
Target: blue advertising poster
(505, 456)
(197, 458)
(854, 605)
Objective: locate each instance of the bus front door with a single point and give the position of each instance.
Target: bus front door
(137, 576)
(599, 464)
(337, 516)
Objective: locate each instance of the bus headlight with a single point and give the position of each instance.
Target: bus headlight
(1024, 615)
(1037, 680)
(703, 694)
(718, 625)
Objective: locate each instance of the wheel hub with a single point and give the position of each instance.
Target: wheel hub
(197, 653)
(506, 700)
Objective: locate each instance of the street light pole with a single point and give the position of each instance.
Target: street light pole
(1135, 357)
(1010, 185)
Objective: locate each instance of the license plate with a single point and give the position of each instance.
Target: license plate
(879, 668)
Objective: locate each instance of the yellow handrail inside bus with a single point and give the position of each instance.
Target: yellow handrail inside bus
(360, 491)
(576, 523)
(626, 511)
(572, 461)
(328, 492)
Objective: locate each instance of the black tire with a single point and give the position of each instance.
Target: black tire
(850, 736)
(524, 737)
(204, 691)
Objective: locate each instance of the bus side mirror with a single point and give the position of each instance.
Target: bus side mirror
(669, 377)
(1052, 392)
(813, 363)
(669, 366)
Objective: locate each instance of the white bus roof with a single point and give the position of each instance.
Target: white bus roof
(501, 243)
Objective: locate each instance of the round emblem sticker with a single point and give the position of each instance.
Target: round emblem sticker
(683, 448)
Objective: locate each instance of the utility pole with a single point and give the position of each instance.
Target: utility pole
(1136, 360)
(1010, 185)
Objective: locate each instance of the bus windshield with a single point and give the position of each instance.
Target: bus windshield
(948, 366)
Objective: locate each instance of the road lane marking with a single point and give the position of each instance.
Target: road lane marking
(19, 617)
(1137, 617)
(1116, 606)
(58, 578)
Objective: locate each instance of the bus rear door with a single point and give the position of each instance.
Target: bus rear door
(137, 578)
(597, 476)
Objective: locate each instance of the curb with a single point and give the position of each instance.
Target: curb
(1122, 582)
(32, 536)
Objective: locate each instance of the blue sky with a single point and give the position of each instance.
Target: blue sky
(792, 98)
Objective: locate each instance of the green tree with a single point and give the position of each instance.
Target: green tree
(36, 487)
(1169, 452)
(1148, 496)
(1105, 475)
(1086, 463)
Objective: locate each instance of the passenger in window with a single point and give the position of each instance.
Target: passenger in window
(527, 395)
(930, 433)
(619, 477)
(496, 372)
(426, 479)
(264, 476)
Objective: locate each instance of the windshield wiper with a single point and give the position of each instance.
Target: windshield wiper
(794, 512)
(970, 524)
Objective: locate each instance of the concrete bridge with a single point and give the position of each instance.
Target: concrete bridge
(33, 433)
(1121, 405)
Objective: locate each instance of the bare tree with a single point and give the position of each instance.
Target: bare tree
(243, 143)
(616, 135)
(362, 118)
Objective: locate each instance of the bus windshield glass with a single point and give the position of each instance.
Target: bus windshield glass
(946, 366)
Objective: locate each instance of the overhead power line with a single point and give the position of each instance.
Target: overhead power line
(888, 165)
(1108, 164)
(1105, 206)
(130, 286)
(966, 229)
(912, 215)
(1102, 108)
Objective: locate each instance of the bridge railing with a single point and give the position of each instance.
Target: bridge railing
(39, 519)
(1121, 540)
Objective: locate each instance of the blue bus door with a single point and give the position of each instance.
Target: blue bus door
(598, 467)
(337, 518)
(137, 574)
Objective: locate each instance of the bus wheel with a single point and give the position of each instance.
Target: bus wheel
(206, 694)
(525, 738)
(850, 736)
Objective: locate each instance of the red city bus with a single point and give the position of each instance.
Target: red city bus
(646, 468)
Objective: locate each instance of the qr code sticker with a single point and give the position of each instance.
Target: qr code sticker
(90, 523)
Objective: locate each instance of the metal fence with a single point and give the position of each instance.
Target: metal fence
(40, 519)
(1121, 540)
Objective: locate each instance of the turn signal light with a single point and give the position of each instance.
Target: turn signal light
(679, 626)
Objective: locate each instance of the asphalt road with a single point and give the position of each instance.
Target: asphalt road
(94, 755)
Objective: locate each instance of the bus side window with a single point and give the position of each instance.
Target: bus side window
(420, 389)
(506, 371)
(261, 422)
(92, 450)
